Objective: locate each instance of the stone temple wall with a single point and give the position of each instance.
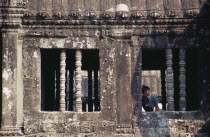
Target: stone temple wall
(119, 34)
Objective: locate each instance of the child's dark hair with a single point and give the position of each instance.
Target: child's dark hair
(145, 88)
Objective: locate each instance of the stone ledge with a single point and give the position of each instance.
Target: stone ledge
(11, 131)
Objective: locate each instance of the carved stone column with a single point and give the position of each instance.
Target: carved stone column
(62, 80)
(12, 91)
(78, 81)
(182, 79)
(169, 80)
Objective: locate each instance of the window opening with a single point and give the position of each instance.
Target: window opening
(155, 61)
(51, 74)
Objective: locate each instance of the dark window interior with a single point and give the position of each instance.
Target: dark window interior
(155, 60)
(50, 66)
(208, 68)
(193, 93)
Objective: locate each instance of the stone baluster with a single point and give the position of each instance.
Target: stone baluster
(182, 79)
(67, 91)
(169, 80)
(78, 81)
(62, 80)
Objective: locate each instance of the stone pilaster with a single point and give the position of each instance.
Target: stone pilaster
(9, 116)
(12, 114)
(169, 80)
(182, 79)
(123, 82)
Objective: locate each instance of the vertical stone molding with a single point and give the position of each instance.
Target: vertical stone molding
(182, 79)
(12, 88)
(9, 117)
(20, 78)
(169, 80)
(78, 81)
(62, 80)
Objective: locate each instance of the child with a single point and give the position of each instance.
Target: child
(149, 101)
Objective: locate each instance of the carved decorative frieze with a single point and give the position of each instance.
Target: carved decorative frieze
(171, 14)
(42, 15)
(75, 15)
(122, 15)
(108, 19)
(28, 14)
(137, 15)
(90, 15)
(154, 15)
(107, 15)
(23, 3)
(191, 13)
(57, 15)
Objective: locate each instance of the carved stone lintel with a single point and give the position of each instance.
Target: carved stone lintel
(182, 79)
(78, 81)
(62, 80)
(169, 80)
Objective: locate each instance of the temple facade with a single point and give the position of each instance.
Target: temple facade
(75, 68)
